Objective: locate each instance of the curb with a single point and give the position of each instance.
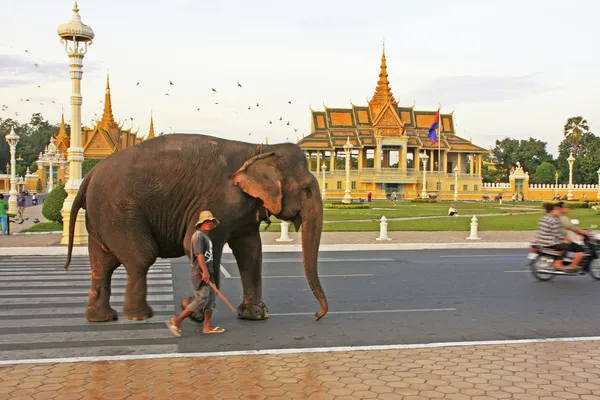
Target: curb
(35, 233)
(289, 248)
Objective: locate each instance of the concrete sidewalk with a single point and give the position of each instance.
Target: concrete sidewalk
(524, 371)
(270, 238)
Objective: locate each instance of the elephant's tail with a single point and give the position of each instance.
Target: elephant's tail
(75, 207)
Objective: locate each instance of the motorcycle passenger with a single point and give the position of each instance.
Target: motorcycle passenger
(550, 233)
(566, 225)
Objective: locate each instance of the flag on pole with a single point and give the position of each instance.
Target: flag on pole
(434, 127)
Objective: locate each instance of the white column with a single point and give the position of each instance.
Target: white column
(51, 178)
(570, 160)
(456, 183)
(12, 199)
(424, 191)
(76, 37)
(347, 148)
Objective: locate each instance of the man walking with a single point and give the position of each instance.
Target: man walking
(21, 206)
(3, 213)
(202, 272)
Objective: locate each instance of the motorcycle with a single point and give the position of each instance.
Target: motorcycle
(541, 259)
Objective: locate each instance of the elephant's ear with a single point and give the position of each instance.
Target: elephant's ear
(259, 178)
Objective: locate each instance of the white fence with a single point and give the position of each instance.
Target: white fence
(540, 186)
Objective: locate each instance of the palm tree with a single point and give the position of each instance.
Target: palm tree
(574, 131)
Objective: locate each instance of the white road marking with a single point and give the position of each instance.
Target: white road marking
(72, 310)
(521, 270)
(77, 282)
(119, 290)
(225, 273)
(483, 255)
(67, 273)
(73, 299)
(43, 278)
(61, 337)
(294, 351)
(304, 276)
(78, 321)
(321, 260)
(368, 312)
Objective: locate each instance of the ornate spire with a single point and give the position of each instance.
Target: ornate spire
(383, 92)
(108, 120)
(61, 136)
(151, 132)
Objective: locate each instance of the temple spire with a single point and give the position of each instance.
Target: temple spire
(108, 120)
(383, 92)
(151, 131)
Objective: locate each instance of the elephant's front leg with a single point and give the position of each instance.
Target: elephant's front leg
(136, 306)
(247, 251)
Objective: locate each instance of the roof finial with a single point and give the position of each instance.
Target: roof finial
(75, 7)
(151, 130)
(108, 120)
(383, 92)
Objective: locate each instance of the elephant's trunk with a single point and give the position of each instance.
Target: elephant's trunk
(312, 224)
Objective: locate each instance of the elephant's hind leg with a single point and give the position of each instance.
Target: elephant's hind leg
(103, 264)
(136, 306)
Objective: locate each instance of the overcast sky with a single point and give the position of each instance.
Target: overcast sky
(511, 68)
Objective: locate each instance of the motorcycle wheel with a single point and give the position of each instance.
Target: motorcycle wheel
(594, 269)
(542, 262)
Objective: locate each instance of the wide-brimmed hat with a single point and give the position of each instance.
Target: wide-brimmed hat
(206, 216)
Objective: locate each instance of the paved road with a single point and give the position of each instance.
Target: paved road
(379, 297)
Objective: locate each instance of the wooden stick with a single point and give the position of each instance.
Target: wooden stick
(218, 292)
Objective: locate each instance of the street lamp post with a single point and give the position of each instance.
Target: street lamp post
(323, 191)
(347, 147)
(570, 160)
(12, 139)
(424, 157)
(76, 37)
(556, 183)
(456, 183)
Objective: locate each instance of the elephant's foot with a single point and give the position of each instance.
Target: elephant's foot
(100, 314)
(253, 311)
(184, 303)
(139, 312)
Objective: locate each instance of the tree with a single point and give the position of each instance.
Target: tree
(87, 166)
(530, 153)
(489, 175)
(587, 159)
(575, 130)
(544, 174)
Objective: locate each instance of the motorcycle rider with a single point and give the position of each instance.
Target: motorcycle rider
(566, 225)
(550, 233)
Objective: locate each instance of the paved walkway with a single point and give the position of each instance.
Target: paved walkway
(534, 371)
(270, 238)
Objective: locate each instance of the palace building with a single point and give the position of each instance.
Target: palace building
(104, 138)
(388, 141)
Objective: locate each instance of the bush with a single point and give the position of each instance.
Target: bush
(53, 204)
(572, 204)
(350, 206)
(424, 201)
(87, 166)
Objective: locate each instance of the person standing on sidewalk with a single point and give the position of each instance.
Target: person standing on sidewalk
(3, 213)
(201, 253)
(21, 206)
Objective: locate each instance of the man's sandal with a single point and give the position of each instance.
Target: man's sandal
(174, 330)
(215, 330)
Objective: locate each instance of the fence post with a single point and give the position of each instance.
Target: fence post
(474, 225)
(383, 229)
(285, 229)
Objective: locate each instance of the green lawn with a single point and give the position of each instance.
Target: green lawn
(408, 209)
(517, 218)
(45, 227)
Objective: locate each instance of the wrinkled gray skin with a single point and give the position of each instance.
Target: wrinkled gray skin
(142, 203)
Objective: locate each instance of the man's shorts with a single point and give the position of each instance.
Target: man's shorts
(21, 208)
(571, 246)
(204, 300)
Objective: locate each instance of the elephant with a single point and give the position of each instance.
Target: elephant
(159, 187)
